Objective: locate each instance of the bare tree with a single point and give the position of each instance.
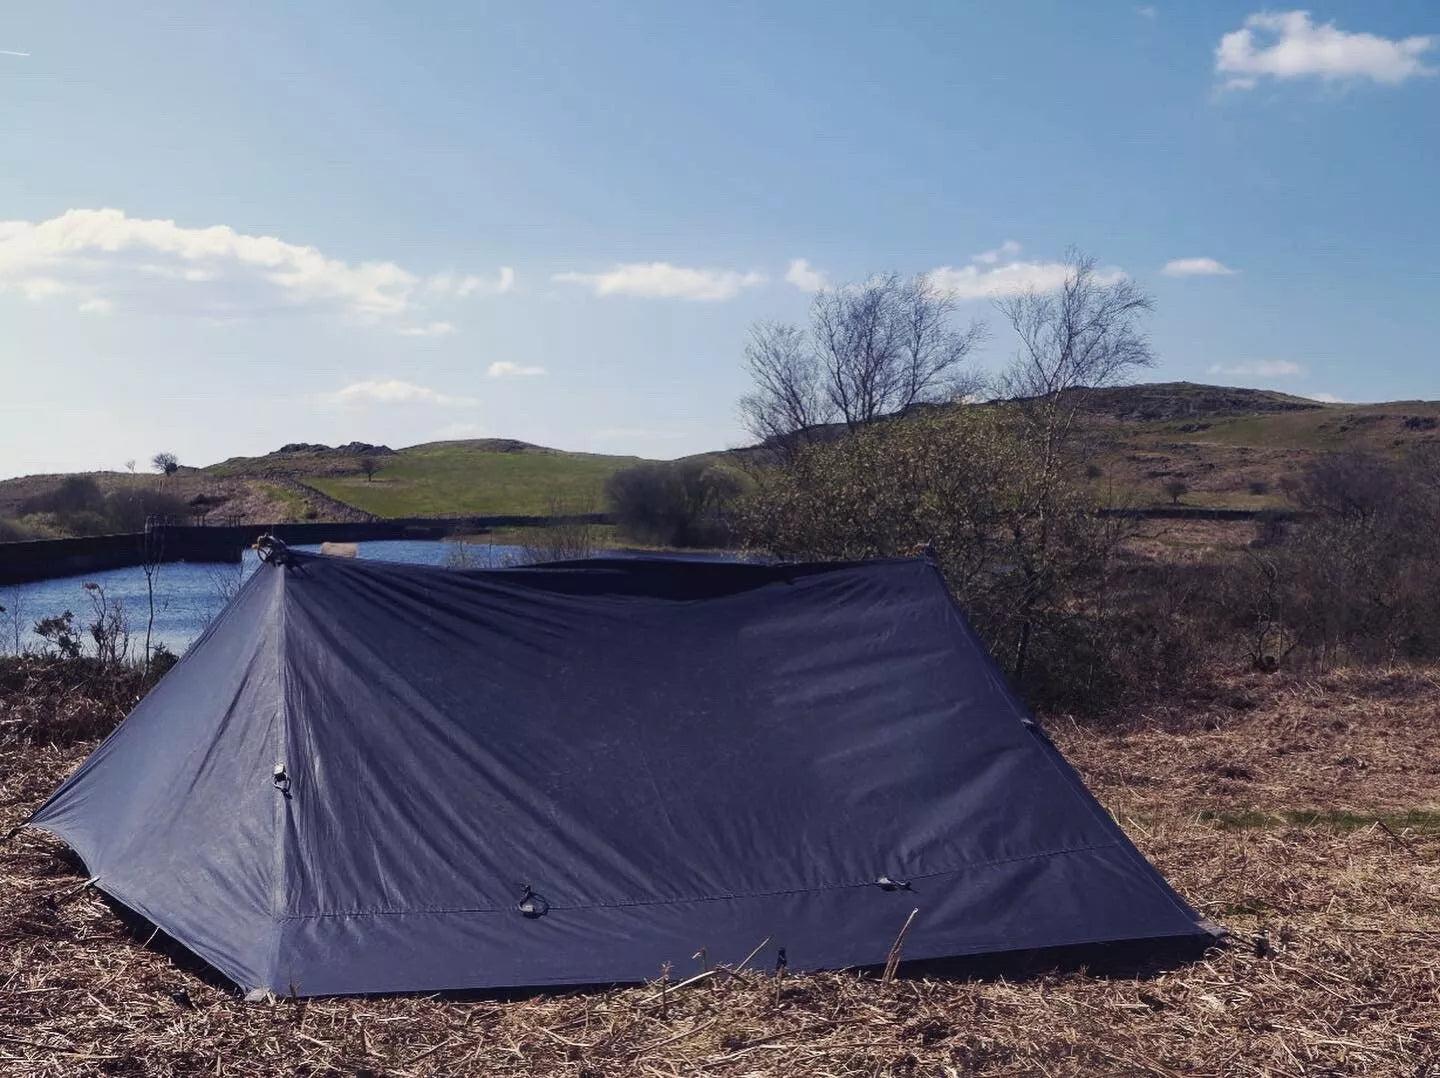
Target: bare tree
(887, 344)
(165, 463)
(17, 620)
(369, 465)
(1085, 334)
(152, 554)
(788, 400)
(872, 350)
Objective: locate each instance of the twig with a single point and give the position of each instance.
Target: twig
(892, 962)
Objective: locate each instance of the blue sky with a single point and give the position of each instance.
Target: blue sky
(225, 228)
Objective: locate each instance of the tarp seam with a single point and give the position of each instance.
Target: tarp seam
(629, 903)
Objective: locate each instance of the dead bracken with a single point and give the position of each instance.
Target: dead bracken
(1326, 876)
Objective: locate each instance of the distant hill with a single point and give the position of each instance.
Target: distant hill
(1232, 447)
(1154, 401)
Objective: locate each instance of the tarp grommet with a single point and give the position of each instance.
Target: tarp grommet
(533, 905)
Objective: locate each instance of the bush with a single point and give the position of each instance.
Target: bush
(74, 494)
(1175, 489)
(128, 508)
(77, 506)
(1358, 580)
(1040, 573)
(684, 503)
(13, 531)
(50, 700)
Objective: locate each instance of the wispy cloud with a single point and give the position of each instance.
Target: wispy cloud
(661, 280)
(449, 284)
(395, 391)
(506, 369)
(805, 276)
(213, 271)
(1289, 45)
(1261, 368)
(12, 52)
(434, 329)
(1326, 398)
(1008, 249)
(1197, 267)
(1147, 11)
(999, 278)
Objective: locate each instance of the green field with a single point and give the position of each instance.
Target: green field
(468, 479)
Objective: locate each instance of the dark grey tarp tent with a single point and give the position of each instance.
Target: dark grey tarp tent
(369, 777)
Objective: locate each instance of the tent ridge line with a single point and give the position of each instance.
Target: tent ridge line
(280, 879)
(629, 903)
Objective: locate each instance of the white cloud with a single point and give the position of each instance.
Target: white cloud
(1015, 277)
(1197, 267)
(1148, 11)
(1263, 368)
(505, 369)
(805, 276)
(1008, 249)
(395, 391)
(36, 289)
(12, 52)
(1288, 45)
(434, 329)
(661, 280)
(1326, 398)
(214, 271)
(448, 284)
(96, 306)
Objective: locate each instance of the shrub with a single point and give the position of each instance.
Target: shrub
(74, 494)
(13, 531)
(1358, 580)
(1037, 569)
(684, 503)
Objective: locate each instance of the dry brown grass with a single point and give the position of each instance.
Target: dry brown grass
(1333, 968)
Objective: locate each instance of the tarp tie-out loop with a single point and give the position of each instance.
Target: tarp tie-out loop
(272, 550)
(533, 904)
(885, 883)
(280, 779)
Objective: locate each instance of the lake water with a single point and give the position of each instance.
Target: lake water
(189, 595)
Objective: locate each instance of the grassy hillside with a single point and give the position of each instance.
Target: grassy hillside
(474, 478)
(1238, 457)
(1231, 447)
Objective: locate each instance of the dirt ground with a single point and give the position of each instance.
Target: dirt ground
(1302, 814)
